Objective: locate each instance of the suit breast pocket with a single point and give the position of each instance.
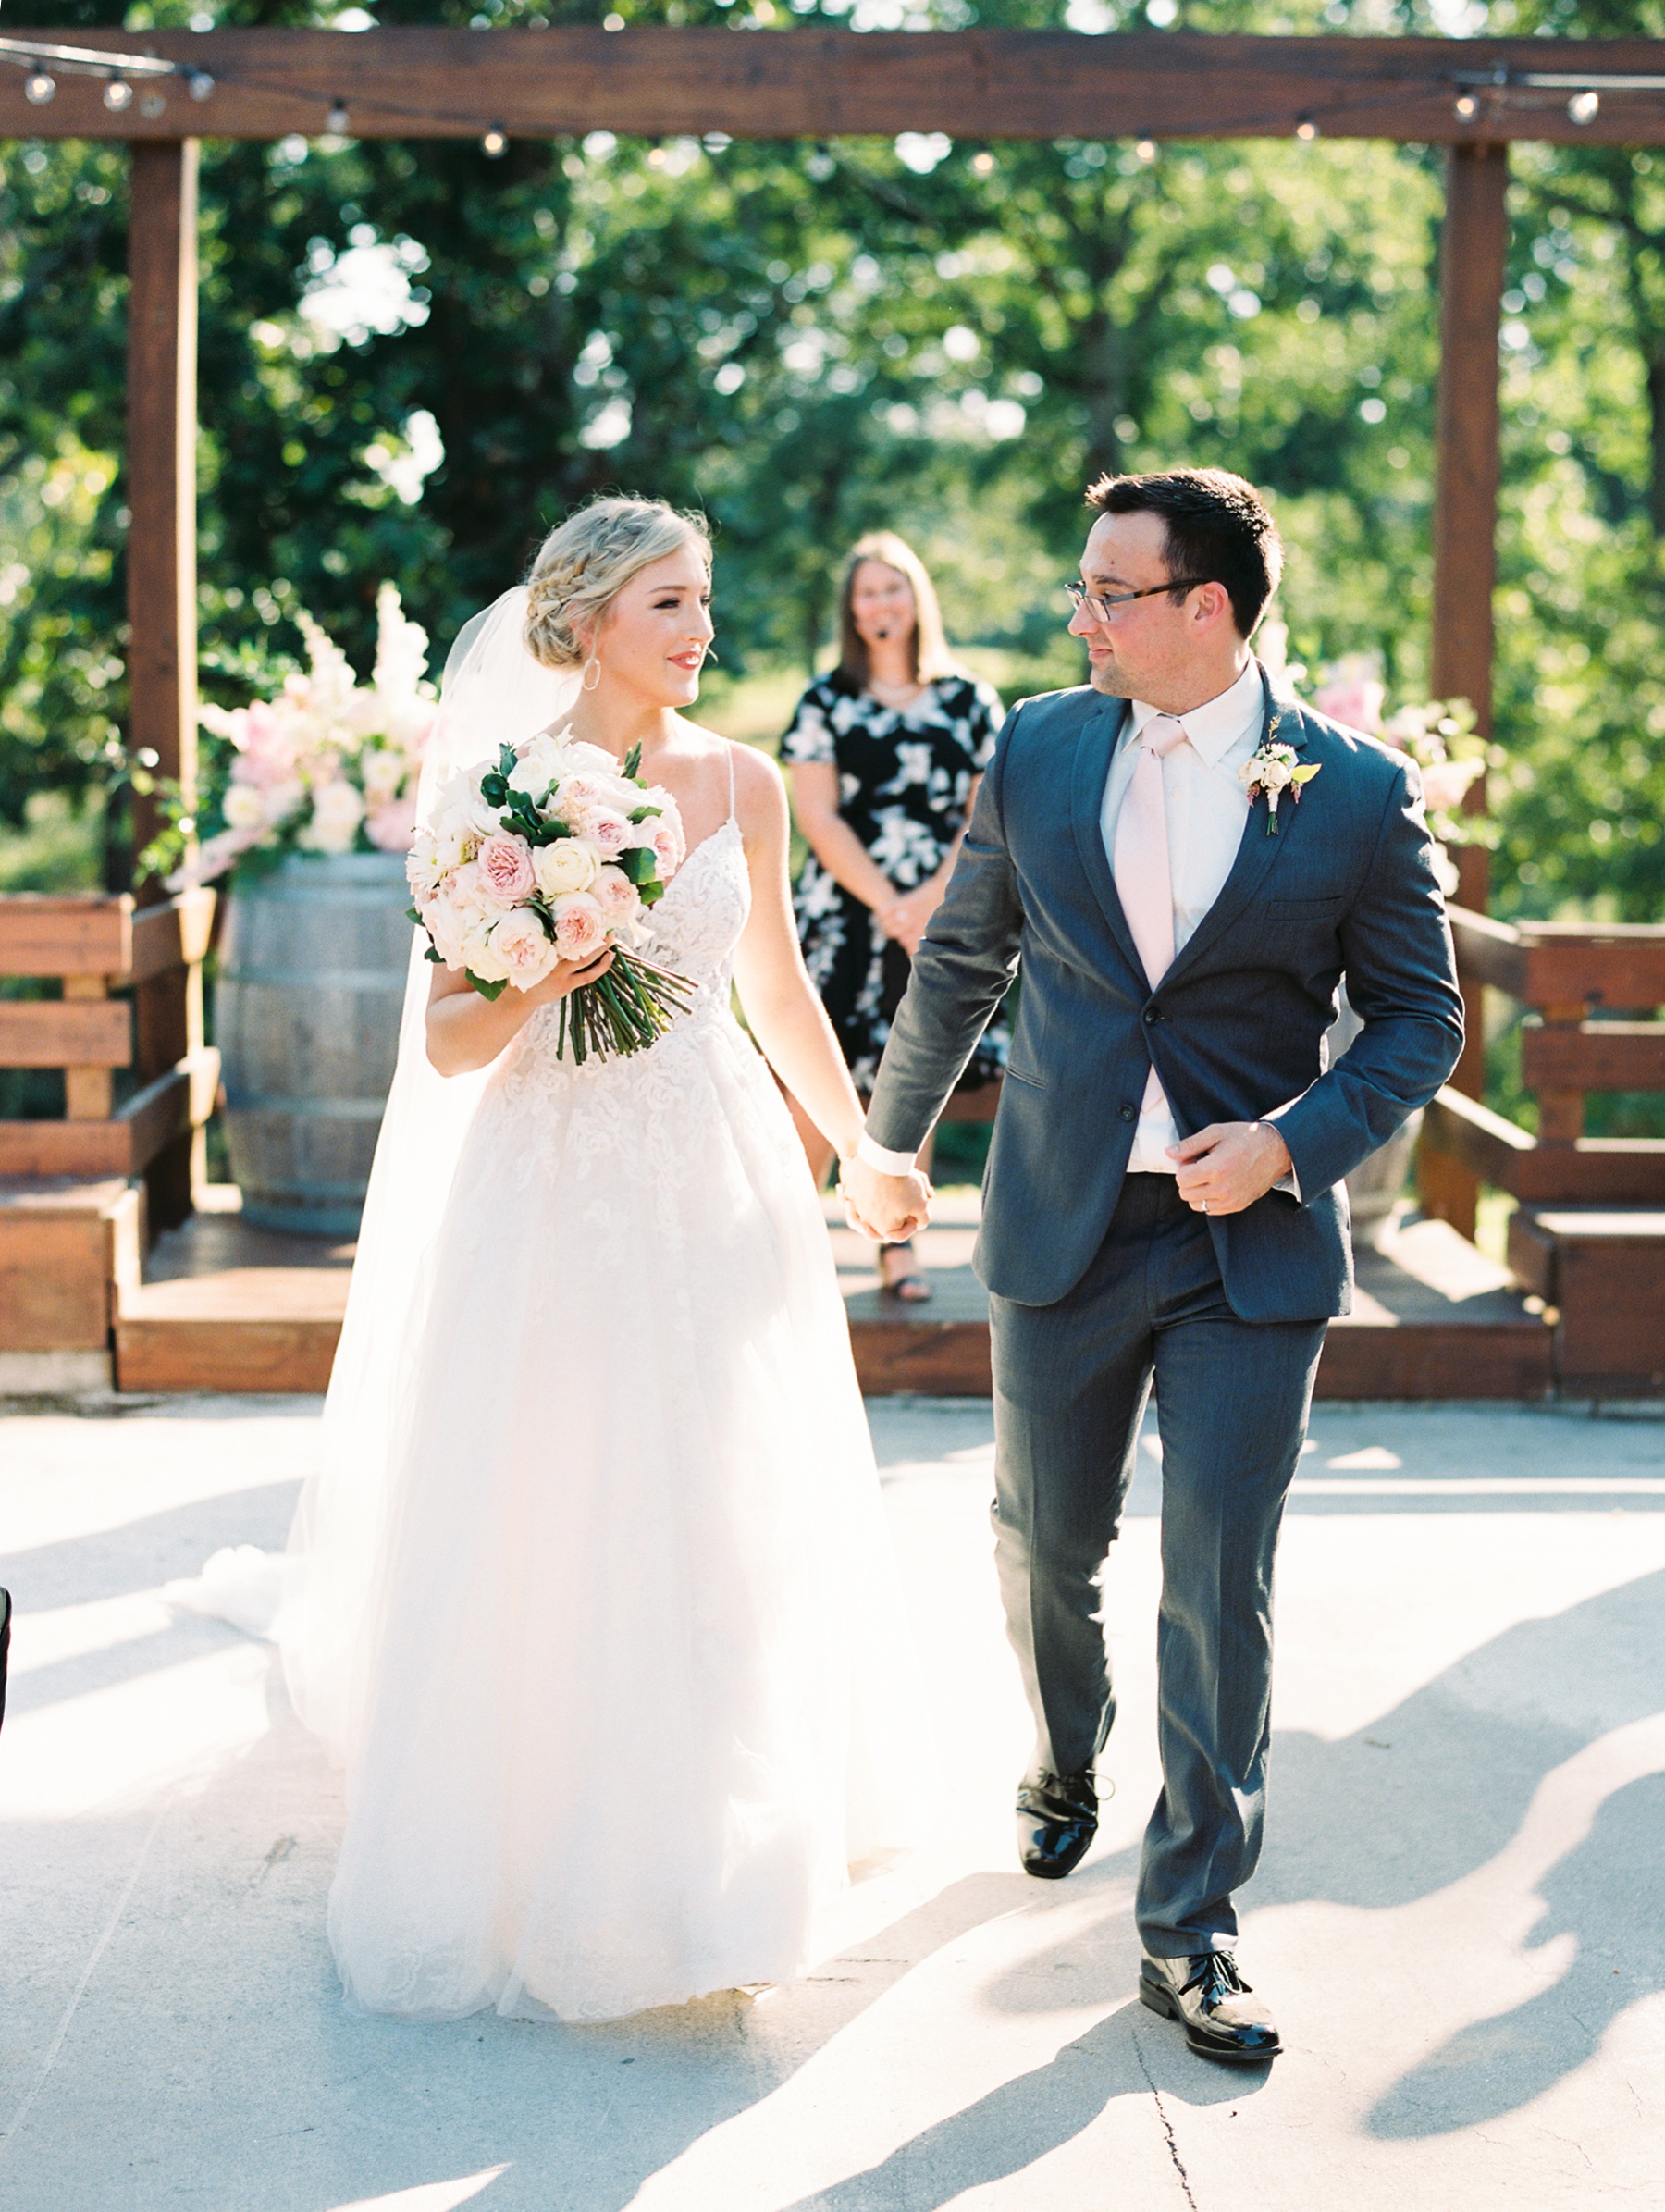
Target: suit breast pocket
(1321, 909)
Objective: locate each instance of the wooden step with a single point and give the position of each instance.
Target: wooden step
(1601, 1272)
(227, 1306)
(233, 1308)
(66, 1247)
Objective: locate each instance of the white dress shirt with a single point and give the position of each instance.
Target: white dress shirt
(1207, 810)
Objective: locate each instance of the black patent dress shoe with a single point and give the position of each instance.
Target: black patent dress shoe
(1211, 2002)
(1057, 1818)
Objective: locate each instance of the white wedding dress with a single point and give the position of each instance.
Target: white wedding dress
(634, 1690)
(590, 1585)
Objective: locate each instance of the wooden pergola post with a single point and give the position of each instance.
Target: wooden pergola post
(1473, 259)
(162, 646)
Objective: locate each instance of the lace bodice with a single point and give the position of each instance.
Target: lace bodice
(695, 929)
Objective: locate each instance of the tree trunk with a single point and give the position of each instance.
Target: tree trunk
(1106, 394)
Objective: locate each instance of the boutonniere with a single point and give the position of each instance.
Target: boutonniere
(1271, 772)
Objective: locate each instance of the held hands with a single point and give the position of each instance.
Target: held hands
(1229, 1165)
(885, 1207)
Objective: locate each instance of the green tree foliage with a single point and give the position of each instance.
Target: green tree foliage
(415, 358)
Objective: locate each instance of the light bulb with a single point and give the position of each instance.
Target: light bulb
(1583, 108)
(200, 84)
(337, 120)
(494, 145)
(1467, 107)
(1306, 131)
(38, 87)
(1146, 149)
(118, 95)
(982, 165)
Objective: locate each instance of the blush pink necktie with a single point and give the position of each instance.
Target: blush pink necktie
(1145, 880)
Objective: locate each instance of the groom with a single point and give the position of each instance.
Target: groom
(1186, 867)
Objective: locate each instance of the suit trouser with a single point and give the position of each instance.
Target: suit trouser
(1071, 1381)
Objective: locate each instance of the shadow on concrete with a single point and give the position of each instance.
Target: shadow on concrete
(1426, 1793)
(152, 1549)
(1034, 2114)
(1605, 1893)
(1440, 1785)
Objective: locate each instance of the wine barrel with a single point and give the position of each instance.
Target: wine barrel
(312, 976)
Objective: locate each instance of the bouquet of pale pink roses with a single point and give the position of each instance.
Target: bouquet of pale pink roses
(552, 855)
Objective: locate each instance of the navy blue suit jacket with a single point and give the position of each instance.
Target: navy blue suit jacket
(1234, 1028)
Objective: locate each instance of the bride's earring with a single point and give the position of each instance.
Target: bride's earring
(592, 673)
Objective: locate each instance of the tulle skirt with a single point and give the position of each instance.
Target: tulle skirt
(637, 1687)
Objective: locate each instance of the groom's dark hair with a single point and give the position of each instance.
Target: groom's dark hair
(1219, 531)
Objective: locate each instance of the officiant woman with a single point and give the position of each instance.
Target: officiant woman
(884, 754)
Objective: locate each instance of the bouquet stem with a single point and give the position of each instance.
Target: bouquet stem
(623, 1011)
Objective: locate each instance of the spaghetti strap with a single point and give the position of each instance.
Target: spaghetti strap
(729, 742)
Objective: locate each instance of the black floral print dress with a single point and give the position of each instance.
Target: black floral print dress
(904, 777)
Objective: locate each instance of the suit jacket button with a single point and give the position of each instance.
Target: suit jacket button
(1152, 1014)
(1129, 1113)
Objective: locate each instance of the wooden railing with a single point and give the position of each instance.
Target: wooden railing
(94, 946)
(1566, 973)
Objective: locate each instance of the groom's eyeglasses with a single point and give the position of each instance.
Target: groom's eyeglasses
(1103, 604)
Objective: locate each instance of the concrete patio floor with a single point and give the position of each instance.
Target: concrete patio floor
(1460, 1919)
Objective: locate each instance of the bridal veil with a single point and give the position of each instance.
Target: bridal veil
(493, 693)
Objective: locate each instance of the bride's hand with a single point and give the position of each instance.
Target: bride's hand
(466, 1031)
(564, 978)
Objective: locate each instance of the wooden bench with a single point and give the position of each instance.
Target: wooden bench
(79, 1197)
(1590, 1233)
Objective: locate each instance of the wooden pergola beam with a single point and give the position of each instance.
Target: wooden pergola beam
(813, 82)
(1473, 255)
(162, 583)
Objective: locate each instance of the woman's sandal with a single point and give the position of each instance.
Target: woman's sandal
(910, 1286)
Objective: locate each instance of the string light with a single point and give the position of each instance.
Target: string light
(337, 121)
(1583, 108)
(199, 84)
(1306, 131)
(982, 165)
(38, 87)
(1467, 107)
(494, 145)
(1145, 150)
(118, 95)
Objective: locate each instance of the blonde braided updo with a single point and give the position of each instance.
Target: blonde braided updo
(583, 565)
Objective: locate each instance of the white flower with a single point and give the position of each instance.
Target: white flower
(589, 759)
(462, 805)
(461, 918)
(337, 808)
(537, 769)
(282, 800)
(245, 807)
(568, 865)
(384, 773)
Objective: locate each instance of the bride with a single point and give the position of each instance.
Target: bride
(593, 1591)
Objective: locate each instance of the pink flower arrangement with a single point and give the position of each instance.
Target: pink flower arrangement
(552, 855)
(329, 765)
